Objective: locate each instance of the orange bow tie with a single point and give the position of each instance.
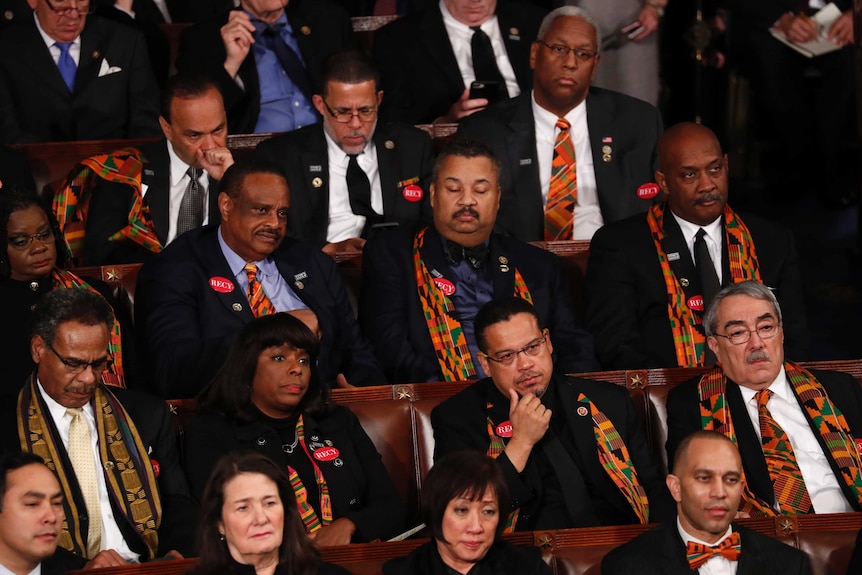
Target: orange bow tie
(698, 553)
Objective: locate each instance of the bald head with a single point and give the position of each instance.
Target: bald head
(680, 136)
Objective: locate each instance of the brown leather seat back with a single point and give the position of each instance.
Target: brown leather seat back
(579, 560)
(829, 551)
(656, 396)
(424, 436)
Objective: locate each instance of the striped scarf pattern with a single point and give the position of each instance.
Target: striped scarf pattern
(306, 512)
(495, 448)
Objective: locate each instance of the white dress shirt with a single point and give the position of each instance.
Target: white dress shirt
(461, 36)
(343, 223)
(588, 213)
(179, 179)
(820, 480)
(112, 537)
(717, 564)
(74, 49)
(713, 239)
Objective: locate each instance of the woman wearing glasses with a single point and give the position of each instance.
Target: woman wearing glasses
(32, 264)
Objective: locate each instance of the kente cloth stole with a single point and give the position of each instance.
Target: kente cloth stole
(447, 335)
(698, 553)
(72, 201)
(563, 187)
(616, 461)
(128, 471)
(495, 448)
(114, 374)
(689, 341)
(833, 428)
(306, 511)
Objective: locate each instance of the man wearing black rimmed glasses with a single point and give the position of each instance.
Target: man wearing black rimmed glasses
(113, 450)
(797, 430)
(571, 450)
(350, 175)
(574, 156)
(68, 75)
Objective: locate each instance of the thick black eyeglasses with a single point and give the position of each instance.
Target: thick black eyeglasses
(365, 114)
(76, 366)
(65, 8)
(532, 349)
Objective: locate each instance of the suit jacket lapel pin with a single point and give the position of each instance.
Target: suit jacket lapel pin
(305, 30)
(96, 55)
(582, 411)
(673, 256)
(315, 168)
(504, 264)
(317, 182)
(389, 145)
(514, 33)
(297, 280)
(607, 150)
(236, 307)
(683, 282)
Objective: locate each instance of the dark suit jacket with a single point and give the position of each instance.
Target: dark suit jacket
(153, 422)
(110, 203)
(320, 28)
(403, 153)
(360, 487)
(633, 126)
(460, 422)
(392, 317)
(186, 327)
(626, 296)
(420, 75)
(36, 105)
(683, 417)
(661, 551)
(15, 170)
(503, 558)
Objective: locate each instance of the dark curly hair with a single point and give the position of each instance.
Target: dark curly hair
(15, 199)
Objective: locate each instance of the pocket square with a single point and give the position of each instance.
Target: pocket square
(106, 69)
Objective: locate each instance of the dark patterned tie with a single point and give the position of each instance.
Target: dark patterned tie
(260, 303)
(698, 553)
(563, 187)
(191, 214)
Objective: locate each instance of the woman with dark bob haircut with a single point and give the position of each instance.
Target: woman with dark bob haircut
(249, 523)
(267, 398)
(465, 502)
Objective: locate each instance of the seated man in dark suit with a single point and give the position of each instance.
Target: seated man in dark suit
(65, 75)
(113, 450)
(572, 450)
(647, 288)
(707, 483)
(266, 57)
(429, 60)
(421, 290)
(177, 184)
(795, 428)
(573, 156)
(350, 176)
(193, 298)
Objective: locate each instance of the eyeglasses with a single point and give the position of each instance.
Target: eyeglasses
(67, 6)
(365, 114)
(76, 366)
(740, 335)
(561, 52)
(533, 348)
(23, 242)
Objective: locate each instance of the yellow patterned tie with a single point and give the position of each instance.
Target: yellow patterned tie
(563, 189)
(257, 298)
(81, 456)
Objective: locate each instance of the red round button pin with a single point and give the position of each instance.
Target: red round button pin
(695, 302)
(326, 454)
(156, 467)
(221, 284)
(859, 446)
(412, 193)
(445, 286)
(648, 191)
(504, 429)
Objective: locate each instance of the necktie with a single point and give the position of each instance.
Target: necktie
(81, 457)
(698, 553)
(705, 268)
(787, 482)
(563, 189)
(359, 190)
(66, 64)
(191, 214)
(257, 298)
(288, 59)
(484, 61)
(475, 256)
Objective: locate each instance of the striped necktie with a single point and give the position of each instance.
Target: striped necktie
(257, 298)
(563, 189)
(84, 464)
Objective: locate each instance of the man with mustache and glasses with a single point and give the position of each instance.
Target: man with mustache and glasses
(571, 450)
(351, 176)
(707, 484)
(421, 288)
(796, 429)
(651, 277)
(113, 450)
(194, 297)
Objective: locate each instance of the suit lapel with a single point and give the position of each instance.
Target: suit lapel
(673, 549)
(90, 60)
(503, 273)
(433, 35)
(525, 167)
(33, 48)
(515, 43)
(681, 264)
(157, 178)
(387, 164)
(210, 255)
(315, 164)
(609, 180)
(753, 461)
(295, 274)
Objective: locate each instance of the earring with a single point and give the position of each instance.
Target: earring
(221, 537)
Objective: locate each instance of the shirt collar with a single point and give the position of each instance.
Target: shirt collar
(260, 25)
(237, 264)
(779, 387)
(487, 26)
(689, 229)
(338, 156)
(178, 166)
(686, 536)
(57, 410)
(546, 121)
(47, 39)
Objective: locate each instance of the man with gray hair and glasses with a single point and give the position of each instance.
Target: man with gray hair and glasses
(795, 429)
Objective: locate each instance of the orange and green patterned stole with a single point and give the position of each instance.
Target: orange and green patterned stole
(495, 448)
(72, 201)
(128, 471)
(685, 323)
(616, 461)
(114, 374)
(447, 335)
(826, 417)
(306, 511)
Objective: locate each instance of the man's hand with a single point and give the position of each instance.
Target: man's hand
(215, 161)
(462, 108)
(237, 35)
(798, 27)
(530, 420)
(348, 245)
(841, 31)
(338, 532)
(309, 318)
(106, 558)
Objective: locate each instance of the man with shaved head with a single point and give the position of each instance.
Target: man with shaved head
(650, 277)
(707, 484)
